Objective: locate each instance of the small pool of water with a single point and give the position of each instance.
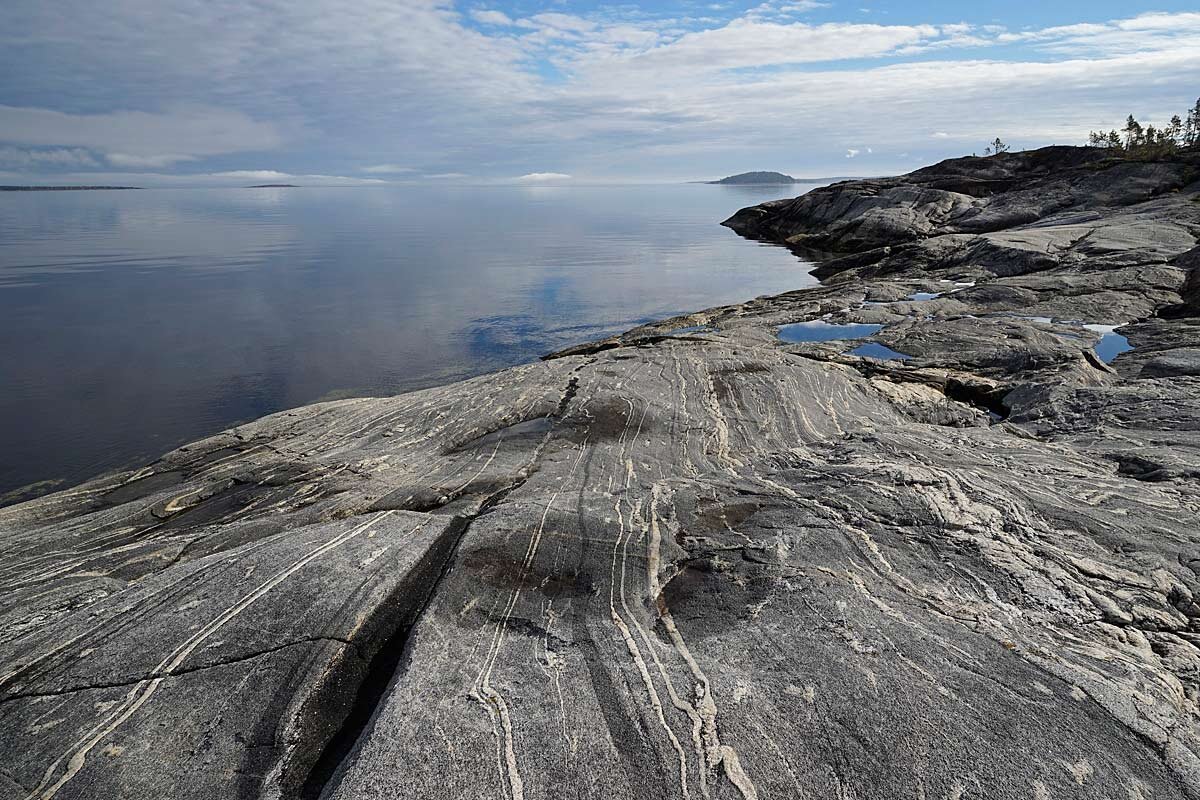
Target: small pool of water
(1111, 344)
(924, 295)
(876, 350)
(690, 329)
(821, 331)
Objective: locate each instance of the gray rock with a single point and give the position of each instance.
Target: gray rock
(690, 560)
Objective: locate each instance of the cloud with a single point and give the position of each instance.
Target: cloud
(386, 169)
(143, 162)
(751, 43)
(53, 157)
(491, 17)
(777, 9)
(851, 153)
(544, 177)
(613, 90)
(139, 138)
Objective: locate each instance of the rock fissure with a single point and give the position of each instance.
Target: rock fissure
(175, 673)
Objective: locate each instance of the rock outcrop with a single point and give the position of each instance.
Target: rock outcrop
(689, 561)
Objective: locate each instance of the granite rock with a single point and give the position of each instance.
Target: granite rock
(691, 560)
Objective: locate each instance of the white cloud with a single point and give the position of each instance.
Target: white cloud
(851, 153)
(544, 177)
(749, 43)
(491, 17)
(940, 135)
(139, 138)
(564, 23)
(447, 176)
(55, 157)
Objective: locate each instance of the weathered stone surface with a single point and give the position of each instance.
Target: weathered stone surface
(690, 560)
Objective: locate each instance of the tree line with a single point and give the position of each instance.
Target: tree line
(1149, 140)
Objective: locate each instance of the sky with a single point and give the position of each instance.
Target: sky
(230, 92)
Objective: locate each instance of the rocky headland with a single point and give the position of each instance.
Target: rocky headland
(955, 556)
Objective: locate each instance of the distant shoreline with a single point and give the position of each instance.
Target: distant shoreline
(63, 188)
(778, 182)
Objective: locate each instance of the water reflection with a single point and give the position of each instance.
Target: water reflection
(821, 331)
(879, 351)
(131, 322)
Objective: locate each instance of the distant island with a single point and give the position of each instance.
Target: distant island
(62, 188)
(273, 186)
(760, 178)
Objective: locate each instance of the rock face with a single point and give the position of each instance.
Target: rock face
(689, 561)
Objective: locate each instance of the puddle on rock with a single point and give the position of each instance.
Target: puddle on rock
(914, 297)
(1111, 344)
(876, 350)
(691, 329)
(819, 331)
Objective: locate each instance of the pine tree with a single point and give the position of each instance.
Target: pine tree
(1174, 131)
(998, 147)
(1133, 133)
(1191, 128)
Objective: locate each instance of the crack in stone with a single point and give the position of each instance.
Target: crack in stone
(14, 696)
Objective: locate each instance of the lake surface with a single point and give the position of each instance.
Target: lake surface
(134, 321)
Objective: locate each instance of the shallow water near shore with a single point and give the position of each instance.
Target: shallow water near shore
(132, 322)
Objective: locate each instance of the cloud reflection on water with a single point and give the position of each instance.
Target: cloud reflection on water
(134, 321)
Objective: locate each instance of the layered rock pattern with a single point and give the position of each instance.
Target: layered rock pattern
(690, 561)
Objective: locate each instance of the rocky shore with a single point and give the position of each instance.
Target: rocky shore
(694, 560)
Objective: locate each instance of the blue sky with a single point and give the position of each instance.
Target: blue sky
(211, 92)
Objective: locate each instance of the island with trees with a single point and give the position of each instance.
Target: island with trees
(756, 179)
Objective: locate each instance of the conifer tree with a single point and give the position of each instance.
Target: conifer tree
(1174, 131)
(1133, 133)
(1191, 128)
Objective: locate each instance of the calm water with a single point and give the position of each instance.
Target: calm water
(132, 322)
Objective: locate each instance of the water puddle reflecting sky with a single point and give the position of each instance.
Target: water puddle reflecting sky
(821, 331)
(1111, 343)
(876, 350)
